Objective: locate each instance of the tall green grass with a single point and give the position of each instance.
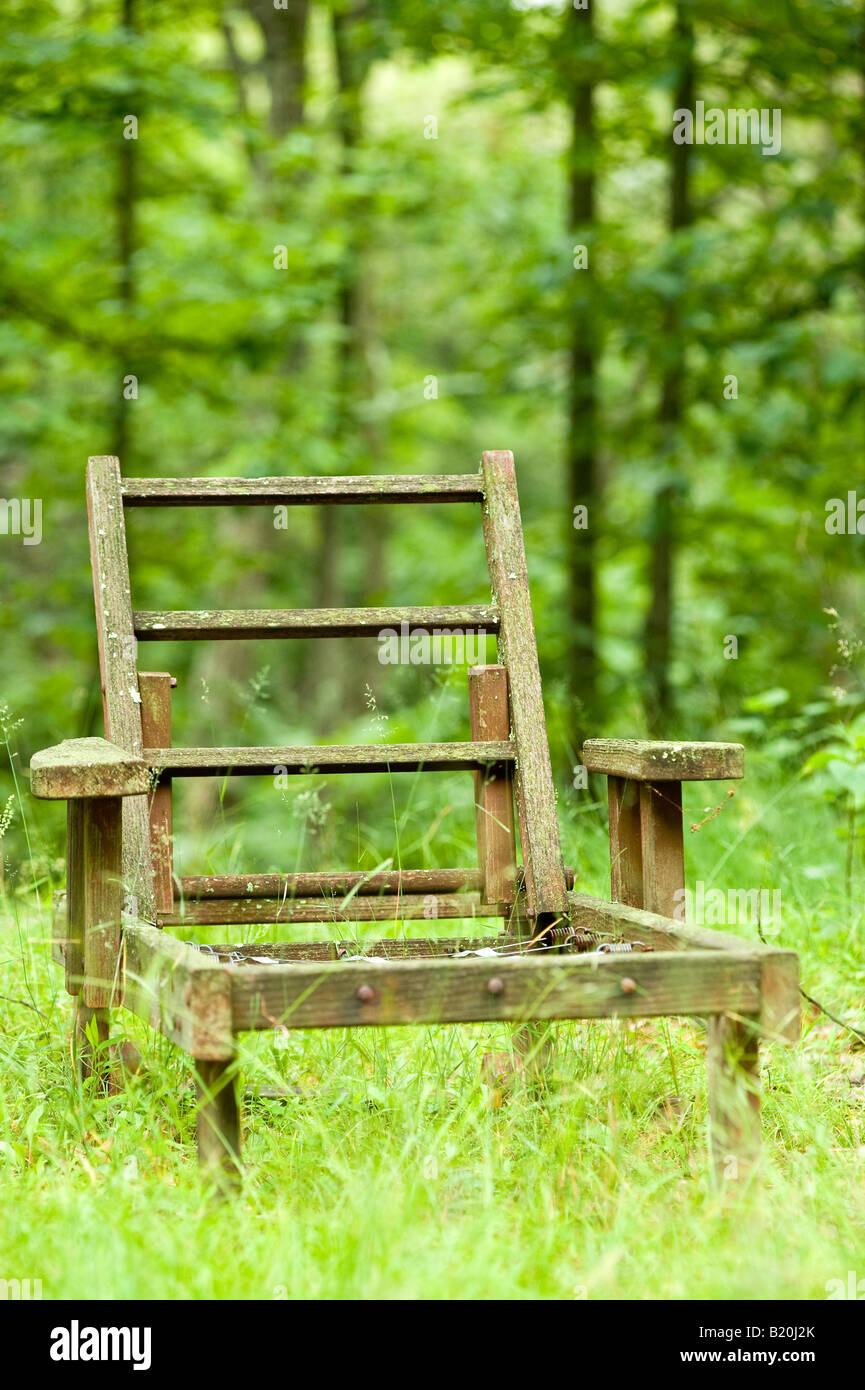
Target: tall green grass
(389, 1170)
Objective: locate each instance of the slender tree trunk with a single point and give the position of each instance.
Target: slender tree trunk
(227, 667)
(125, 195)
(284, 65)
(358, 439)
(351, 362)
(659, 619)
(581, 456)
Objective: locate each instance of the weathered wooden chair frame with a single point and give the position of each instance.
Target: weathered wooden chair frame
(562, 954)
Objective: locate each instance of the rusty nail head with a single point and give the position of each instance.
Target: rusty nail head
(365, 993)
(628, 985)
(496, 986)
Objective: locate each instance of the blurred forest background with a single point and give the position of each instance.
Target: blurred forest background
(343, 239)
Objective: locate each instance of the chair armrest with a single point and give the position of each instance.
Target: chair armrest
(87, 767)
(647, 852)
(650, 761)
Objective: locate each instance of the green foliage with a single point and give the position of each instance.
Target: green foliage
(330, 289)
(380, 1165)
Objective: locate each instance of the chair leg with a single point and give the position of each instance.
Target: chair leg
(733, 1054)
(534, 1044)
(91, 1043)
(218, 1129)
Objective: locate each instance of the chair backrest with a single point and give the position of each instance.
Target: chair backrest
(125, 694)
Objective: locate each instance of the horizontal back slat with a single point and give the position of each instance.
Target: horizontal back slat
(327, 883)
(268, 492)
(234, 624)
(221, 912)
(377, 757)
(307, 885)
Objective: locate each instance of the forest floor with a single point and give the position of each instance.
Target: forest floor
(391, 1170)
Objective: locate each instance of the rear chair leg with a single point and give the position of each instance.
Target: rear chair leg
(734, 1096)
(489, 716)
(218, 1127)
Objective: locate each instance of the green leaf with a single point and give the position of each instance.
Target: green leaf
(767, 699)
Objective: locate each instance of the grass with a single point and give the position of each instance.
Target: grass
(391, 1171)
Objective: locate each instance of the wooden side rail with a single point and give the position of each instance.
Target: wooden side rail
(324, 994)
(647, 851)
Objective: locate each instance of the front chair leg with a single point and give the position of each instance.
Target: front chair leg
(733, 1054)
(90, 1041)
(534, 1046)
(218, 1127)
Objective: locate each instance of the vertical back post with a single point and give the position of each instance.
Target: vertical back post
(546, 893)
(494, 801)
(117, 661)
(155, 689)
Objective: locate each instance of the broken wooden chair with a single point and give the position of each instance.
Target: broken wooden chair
(561, 954)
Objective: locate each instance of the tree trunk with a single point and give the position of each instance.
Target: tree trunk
(225, 666)
(284, 65)
(358, 439)
(658, 629)
(581, 456)
(124, 204)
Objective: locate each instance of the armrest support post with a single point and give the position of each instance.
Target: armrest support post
(647, 850)
(626, 851)
(92, 776)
